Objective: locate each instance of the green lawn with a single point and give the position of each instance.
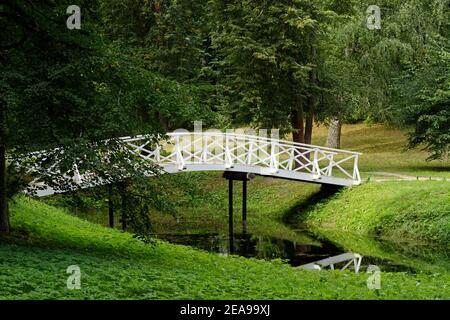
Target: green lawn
(399, 210)
(384, 149)
(46, 241)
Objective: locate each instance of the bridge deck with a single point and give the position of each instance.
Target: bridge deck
(217, 151)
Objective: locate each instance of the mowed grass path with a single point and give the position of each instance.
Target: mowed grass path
(114, 265)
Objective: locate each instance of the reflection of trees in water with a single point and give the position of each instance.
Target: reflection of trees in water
(267, 248)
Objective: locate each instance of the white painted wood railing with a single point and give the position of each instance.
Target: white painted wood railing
(204, 151)
(218, 151)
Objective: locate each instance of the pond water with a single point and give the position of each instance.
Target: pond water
(388, 256)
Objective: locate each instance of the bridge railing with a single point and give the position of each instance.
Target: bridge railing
(180, 151)
(229, 149)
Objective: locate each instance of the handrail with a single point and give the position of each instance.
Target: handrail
(298, 154)
(224, 134)
(202, 151)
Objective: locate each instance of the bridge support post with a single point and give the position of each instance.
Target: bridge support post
(238, 176)
(244, 205)
(230, 215)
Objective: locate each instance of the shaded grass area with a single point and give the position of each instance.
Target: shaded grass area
(113, 264)
(400, 210)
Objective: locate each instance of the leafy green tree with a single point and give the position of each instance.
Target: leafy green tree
(267, 61)
(171, 41)
(427, 107)
(173, 36)
(407, 71)
(61, 90)
(373, 74)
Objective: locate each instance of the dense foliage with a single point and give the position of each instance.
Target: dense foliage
(72, 89)
(429, 108)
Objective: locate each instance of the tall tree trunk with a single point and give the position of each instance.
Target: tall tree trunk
(309, 127)
(123, 208)
(310, 119)
(4, 215)
(297, 123)
(110, 206)
(311, 100)
(163, 121)
(334, 133)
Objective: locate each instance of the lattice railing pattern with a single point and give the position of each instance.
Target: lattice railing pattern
(181, 149)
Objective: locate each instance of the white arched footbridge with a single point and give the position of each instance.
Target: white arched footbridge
(217, 151)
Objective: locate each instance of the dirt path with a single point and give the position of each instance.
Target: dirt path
(402, 177)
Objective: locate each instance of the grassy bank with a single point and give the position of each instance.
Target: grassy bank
(399, 210)
(46, 241)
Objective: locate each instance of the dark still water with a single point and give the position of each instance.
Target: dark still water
(389, 257)
(247, 245)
